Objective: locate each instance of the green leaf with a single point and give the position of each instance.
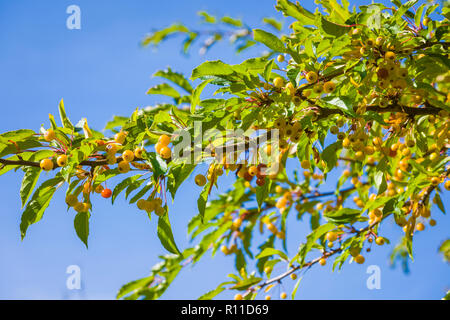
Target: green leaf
(231, 21)
(196, 94)
(159, 166)
(62, 114)
(345, 215)
(296, 11)
(267, 252)
(207, 18)
(331, 28)
(330, 154)
(176, 78)
(28, 183)
(122, 185)
(81, 224)
(134, 286)
(202, 200)
(39, 202)
(212, 68)
(165, 234)
(177, 175)
(270, 40)
(262, 192)
(274, 23)
(164, 89)
(294, 292)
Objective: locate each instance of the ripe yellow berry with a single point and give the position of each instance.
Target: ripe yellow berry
(237, 223)
(329, 86)
(305, 164)
(138, 153)
(379, 241)
(46, 164)
(331, 236)
(311, 77)
(61, 160)
(71, 200)
(253, 170)
(141, 204)
(49, 135)
(120, 137)
(238, 297)
(278, 82)
(164, 140)
(268, 297)
(280, 58)
(123, 167)
(293, 276)
(359, 259)
(420, 226)
(99, 189)
(435, 181)
(200, 180)
(447, 185)
(283, 295)
(128, 155)
(165, 152)
(390, 56)
(322, 262)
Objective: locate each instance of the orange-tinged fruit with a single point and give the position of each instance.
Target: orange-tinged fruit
(359, 259)
(238, 297)
(165, 152)
(106, 193)
(420, 226)
(331, 236)
(164, 140)
(253, 170)
(49, 135)
(322, 262)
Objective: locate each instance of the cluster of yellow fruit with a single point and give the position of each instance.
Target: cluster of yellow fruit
(78, 206)
(287, 129)
(151, 205)
(48, 164)
(229, 250)
(283, 202)
(272, 228)
(391, 73)
(162, 147)
(127, 156)
(320, 87)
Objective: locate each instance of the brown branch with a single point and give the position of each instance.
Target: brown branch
(91, 163)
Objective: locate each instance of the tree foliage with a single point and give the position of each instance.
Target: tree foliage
(361, 94)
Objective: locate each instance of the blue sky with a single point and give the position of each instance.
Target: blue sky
(101, 71)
